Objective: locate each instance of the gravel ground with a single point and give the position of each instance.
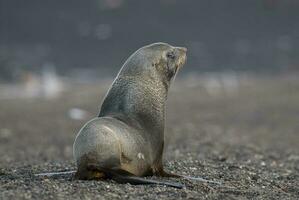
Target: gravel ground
(241, 131)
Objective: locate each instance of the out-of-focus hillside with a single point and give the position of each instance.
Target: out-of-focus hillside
(101, 34)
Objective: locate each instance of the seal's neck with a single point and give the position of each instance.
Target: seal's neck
(138, 102)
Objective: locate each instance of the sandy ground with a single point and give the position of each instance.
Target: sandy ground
(241, 131)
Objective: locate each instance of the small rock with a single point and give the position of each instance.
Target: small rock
(77, 114)
(5, 133)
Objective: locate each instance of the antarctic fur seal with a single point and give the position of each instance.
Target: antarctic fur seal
(125, 142)
(127, 137)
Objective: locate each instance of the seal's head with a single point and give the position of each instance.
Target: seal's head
(155, 62)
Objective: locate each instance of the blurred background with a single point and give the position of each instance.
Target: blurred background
(91, 39)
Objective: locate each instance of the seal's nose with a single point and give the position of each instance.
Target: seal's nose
(182, 56)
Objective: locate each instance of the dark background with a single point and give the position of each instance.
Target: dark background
(247, 35)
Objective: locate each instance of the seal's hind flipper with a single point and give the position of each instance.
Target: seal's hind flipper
(52, 174)
(89, 175)
(201, 179)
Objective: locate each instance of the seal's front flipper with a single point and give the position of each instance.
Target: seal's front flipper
(134, 180)
(122, 176)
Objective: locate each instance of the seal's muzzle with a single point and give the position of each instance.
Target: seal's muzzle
(182, 56)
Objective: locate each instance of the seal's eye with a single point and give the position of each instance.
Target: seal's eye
(170, 55)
